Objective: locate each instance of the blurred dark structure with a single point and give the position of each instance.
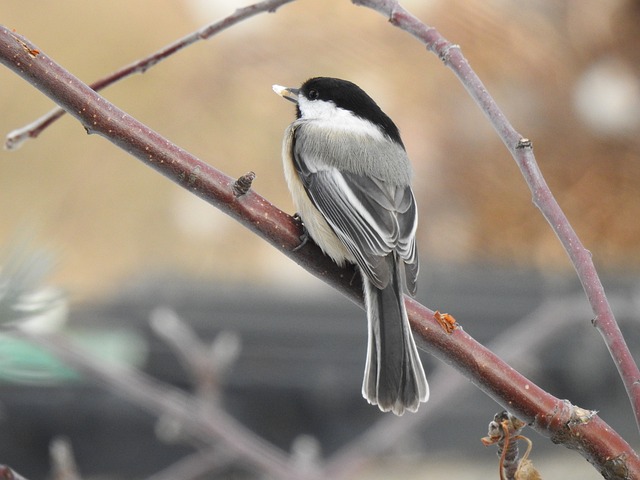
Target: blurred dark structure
(300, 368)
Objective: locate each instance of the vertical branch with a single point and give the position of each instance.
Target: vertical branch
(581, 258)
(522, 152)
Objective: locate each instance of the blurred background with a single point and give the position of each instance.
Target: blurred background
(125, 239)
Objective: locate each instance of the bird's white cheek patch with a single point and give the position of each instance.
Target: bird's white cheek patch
(327, 115)
(316, 109)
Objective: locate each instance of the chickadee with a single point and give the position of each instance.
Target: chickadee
(349, 175)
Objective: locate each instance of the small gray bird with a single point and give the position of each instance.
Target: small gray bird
(349, 175)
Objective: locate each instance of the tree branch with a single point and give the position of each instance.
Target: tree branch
(16, 138)
(197, 465)
(140, 389)
(523, 339)
(595, 440)
(522, 151)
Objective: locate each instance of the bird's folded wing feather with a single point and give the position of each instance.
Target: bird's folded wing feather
(371, 217)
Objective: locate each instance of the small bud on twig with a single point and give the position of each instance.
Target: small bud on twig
(243, 184)
(524, 143)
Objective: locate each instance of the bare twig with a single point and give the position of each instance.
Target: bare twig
(521, 150)
(63, 464)
(594, 439)
(138, 388)
(16, 138)
(197, 465)
(207, 364)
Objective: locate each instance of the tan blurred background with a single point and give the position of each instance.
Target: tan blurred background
(566, 73)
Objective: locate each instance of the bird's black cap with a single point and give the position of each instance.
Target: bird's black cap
(349, 96)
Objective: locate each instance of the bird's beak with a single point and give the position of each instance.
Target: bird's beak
(287, 93)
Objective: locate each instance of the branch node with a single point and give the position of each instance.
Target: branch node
(242, 185)
(580, 416)
(567, 422)
(393, 15)
(444, 53)
(524, 143)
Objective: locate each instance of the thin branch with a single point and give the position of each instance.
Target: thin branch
(197, 465)
(522, 151)
(16, 138)
(63, 463)
(209, 364)
(552, 417)
(152, 395)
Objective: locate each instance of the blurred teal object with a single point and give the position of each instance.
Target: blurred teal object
(26, 364)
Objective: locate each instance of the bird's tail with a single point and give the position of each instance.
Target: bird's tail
(393, 378)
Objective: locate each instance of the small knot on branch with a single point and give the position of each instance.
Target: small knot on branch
(524, 143)
(243, 184)
(444, 52)
(580, 416)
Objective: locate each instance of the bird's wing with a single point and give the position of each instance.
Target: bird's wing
(371, 217)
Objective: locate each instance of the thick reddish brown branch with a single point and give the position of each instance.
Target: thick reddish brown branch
(600, 444)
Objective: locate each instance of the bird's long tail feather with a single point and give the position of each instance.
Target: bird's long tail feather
(394, 378)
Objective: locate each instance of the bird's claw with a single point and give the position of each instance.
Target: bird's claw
(304, 238)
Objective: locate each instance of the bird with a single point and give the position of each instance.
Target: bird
(349, 175)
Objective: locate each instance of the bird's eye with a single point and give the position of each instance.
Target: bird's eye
(313, 94)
